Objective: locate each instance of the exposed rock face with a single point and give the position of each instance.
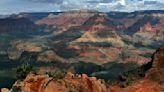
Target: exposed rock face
(154, 79)
(71, 83)
(16, 24)
(138, 59)
(66, 20)
(99, 30)
(94, 36)
(48, 56)
(141, 23)
(31, 47)
(158, 61)
(148, 28)
(99, 22)
(102, 55)
(141, 86)
(152, 82)
(5, 90)
(156, 73)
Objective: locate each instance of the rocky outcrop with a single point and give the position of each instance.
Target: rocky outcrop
(94, 36)
(156, 73)
(138, 59)
(71, 83)
(29, 45)
(158, 61)
(152, 82)
(140, 86)
(148, 28)
(49, 56)
(5, 90)
(66, 20)
(17, 24)
(141, 23)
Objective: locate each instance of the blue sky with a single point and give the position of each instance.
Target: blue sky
(16, 6)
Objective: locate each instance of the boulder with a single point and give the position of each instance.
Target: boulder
(5, 90)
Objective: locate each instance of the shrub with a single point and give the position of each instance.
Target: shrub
(57, 74)
(97, 44)
(24, 70)
(67, 53)
(16, 89)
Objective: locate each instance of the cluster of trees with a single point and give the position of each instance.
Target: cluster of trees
(57, 74)
(24, 70)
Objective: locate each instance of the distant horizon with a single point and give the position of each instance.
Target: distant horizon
(75, 11)
(8, 7)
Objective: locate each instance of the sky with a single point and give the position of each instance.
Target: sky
(17, 6)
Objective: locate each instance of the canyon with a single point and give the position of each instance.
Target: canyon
(96, 51)
(151, 82)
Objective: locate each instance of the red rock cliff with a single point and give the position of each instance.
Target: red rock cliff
(152, 82)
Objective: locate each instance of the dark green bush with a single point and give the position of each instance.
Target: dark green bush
(16, 89)
(67, 53)
(57, 74)
(97, 44)
(24, 70)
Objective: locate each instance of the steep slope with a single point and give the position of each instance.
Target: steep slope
(66, 20)
(99, 21)
(99, 35)
(100, 29)
(152, 82)
(140, 23)
(17, 25)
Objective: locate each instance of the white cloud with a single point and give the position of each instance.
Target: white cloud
(12, 6)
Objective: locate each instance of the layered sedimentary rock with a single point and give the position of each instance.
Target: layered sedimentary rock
(156, 73)
(8, 25)
(48, 56)
(66, 20)
(140, 86)
(152, 82)
(71, 83)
